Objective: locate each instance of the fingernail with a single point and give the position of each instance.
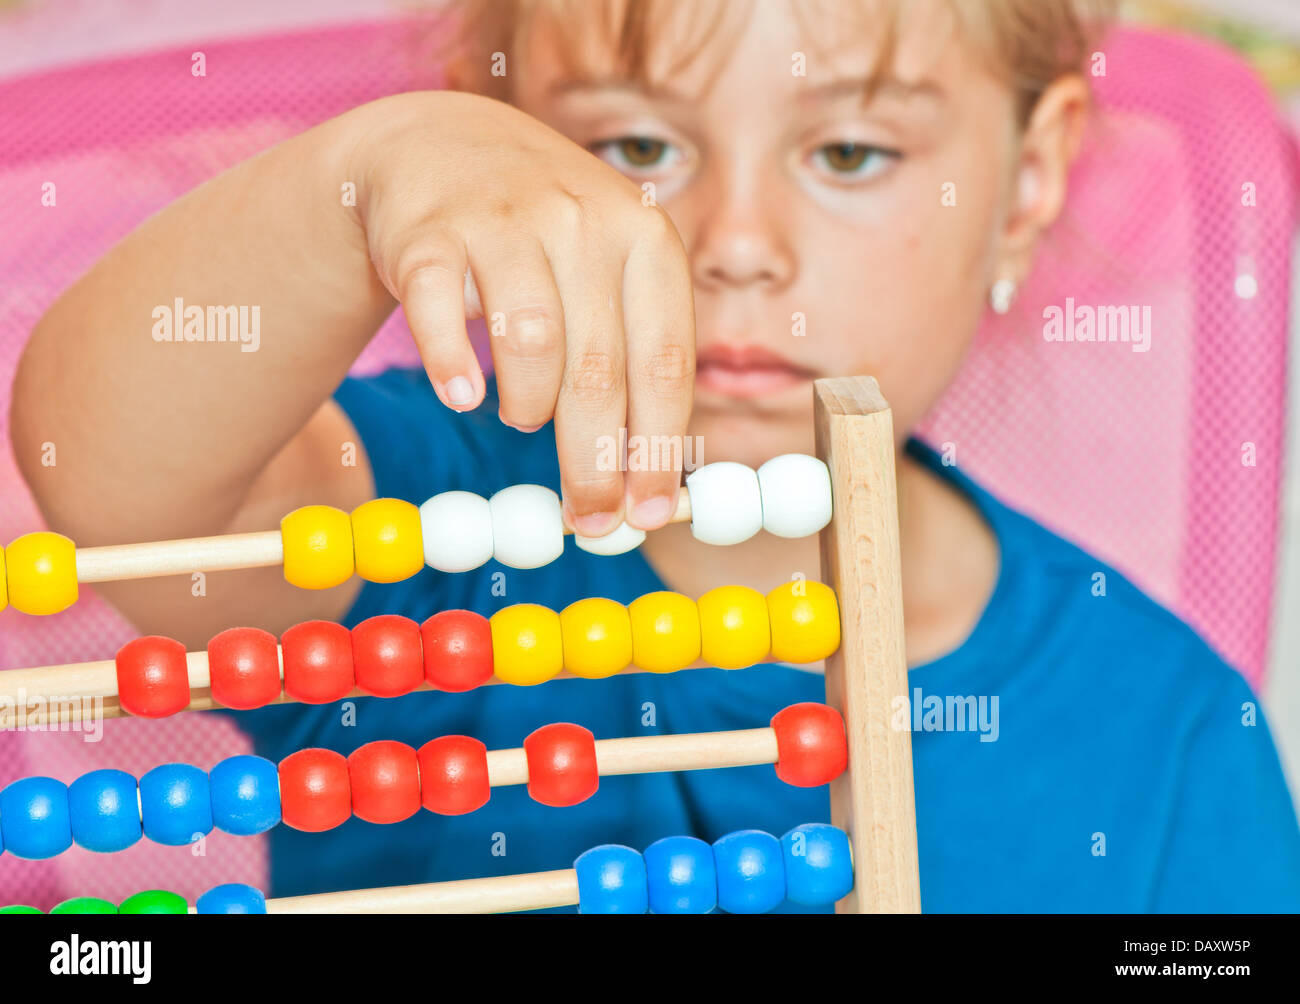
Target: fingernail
(652, 513)
(595, 524)
(459, 390)
(518, 428)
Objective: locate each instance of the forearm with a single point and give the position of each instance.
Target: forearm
(154, 435)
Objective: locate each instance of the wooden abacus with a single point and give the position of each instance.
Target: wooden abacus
(865, 670)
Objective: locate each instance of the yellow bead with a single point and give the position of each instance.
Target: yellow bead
(41, 569)
(4, 590)
(317, 547)
(665, 632)
(734, 628)
(597, 638)
(526, 644)
(805, 621)
(388, 543)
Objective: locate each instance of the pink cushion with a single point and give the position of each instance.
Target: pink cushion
(1135, 455)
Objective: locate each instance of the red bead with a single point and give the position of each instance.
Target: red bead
(153, 680)
(387, 655)
(244, 668)
(453, 775)
(385, 780)
(561, 764)
(317, 662)
(811, 746)
(457, 650)
(315, 793)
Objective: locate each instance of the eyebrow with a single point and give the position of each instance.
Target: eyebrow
(884, 87)
(651, 90)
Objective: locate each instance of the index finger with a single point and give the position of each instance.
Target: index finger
(659, 319)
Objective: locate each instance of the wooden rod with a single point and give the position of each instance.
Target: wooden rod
(866, 678)
(634, 755)
(654, 754)
(54, 695)
(117, 562)
(179, 557)
(692, 751)
(504, 894)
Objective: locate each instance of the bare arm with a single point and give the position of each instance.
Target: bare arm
(156, 440)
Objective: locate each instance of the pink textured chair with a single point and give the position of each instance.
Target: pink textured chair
(1184, 201)
(1138, 456)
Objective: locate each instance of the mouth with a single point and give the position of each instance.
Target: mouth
(746, 371)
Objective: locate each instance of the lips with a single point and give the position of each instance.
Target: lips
(746, 371)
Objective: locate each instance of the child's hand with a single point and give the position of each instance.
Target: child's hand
(473, 209)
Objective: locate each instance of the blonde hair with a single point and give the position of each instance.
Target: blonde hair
(1030, 43)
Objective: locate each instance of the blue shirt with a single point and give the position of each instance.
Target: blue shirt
(1110, 761)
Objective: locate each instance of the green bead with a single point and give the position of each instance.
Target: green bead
(85, 904)
(19, 909)
(154, 901)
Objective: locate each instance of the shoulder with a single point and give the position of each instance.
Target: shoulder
(1060, 610)
(1092, 617)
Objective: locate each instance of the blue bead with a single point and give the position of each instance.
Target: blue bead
(751, 874)
(818, 864)
(34, 818)
(611, 879)
(175, 804)
(245, 795)
(681, 876)
(232, 898)
(104, 811)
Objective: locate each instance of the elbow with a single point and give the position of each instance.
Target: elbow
(32, 439)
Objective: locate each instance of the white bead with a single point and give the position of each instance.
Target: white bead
(726, 504)
(457, 529)
(527, 527)
(620, 540)
(796, 495)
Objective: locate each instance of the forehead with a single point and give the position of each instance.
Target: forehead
(686, 49)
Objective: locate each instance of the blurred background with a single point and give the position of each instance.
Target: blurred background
(1267, 33)
(39, 39)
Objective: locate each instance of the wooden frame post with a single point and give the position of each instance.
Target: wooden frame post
(874, 799)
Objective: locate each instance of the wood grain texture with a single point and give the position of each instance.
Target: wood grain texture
(874, 799)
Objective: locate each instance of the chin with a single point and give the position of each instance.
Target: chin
(750, 437)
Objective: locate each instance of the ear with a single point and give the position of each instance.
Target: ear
(1048, 146)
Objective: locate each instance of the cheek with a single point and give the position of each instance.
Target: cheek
(906, 292)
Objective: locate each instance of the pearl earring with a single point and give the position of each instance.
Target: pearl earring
(1001, 295)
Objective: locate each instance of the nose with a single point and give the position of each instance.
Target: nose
(739, 241)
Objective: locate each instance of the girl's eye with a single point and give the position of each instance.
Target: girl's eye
(637, 152)
(853, 160)
(642, 152)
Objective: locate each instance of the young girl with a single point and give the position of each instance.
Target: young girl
(669, 185)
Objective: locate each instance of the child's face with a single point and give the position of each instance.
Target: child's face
(821, 229)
